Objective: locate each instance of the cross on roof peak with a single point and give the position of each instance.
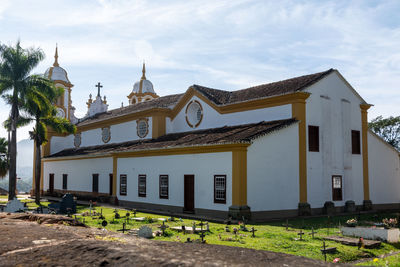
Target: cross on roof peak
(98, 85)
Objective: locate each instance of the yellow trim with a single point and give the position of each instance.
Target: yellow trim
(66, 84)
(75, 158)
(69, 103)
(299, 112)
(364, 127)
(239, 176)
(46, 147)
(160, 152)
(115, 172)
(182, 150)
(123, 118)
(241, 106)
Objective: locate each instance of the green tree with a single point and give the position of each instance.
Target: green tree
(3, 157)
(39, 108)
(16, 65)
(388, 129)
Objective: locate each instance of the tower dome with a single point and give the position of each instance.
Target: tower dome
(56, 73)
(143, 90)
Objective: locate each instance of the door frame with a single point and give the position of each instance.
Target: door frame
(51, 183)
(186, 197)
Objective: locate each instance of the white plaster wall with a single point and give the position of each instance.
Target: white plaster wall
(384, 171)
(79, 173)
(213, 119)
(273, 171)
(336, 110)
(58, 143)
(203, 166)
(122, 132)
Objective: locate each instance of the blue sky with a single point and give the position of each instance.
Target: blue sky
(222, 44)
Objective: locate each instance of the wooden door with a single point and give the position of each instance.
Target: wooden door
(95, 183)
(51, 183)
(111, 184)
(189, 193)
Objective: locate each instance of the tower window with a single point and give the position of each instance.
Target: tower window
(355, 142)
(313, 138)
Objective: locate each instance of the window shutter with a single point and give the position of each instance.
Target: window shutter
(313, 138)
(355, 142)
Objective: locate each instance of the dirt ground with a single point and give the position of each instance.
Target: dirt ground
(48, 240)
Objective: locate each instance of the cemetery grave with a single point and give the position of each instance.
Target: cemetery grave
(279, 236)
(267, 236)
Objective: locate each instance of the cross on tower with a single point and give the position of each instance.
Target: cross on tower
(98, 85)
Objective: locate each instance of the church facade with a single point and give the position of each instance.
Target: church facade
(274, 150)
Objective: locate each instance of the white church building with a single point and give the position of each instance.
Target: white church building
(274, 150)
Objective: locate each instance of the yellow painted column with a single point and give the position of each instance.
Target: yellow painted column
(115, 172)
(239, 177)
(299, 112)
(158, 125)
(364, 136)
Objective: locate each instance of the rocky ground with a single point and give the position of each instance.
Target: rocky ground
(49, 240)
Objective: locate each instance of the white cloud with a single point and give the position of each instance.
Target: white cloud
(225, 44)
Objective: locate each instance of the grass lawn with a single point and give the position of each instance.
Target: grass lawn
(391, 261)
(29, 202)
(269, 236)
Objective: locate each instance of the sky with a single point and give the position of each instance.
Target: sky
(224, 44)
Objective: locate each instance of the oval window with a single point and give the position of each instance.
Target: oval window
(194, 113)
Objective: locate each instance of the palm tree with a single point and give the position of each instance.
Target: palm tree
(39, 108)
(15, 81)
(3, 157)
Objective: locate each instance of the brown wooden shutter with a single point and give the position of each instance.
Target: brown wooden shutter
(355, 142)
(313, 138)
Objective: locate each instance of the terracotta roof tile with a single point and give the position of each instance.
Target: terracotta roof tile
(161, 102)
(221, 97)
(224, 135)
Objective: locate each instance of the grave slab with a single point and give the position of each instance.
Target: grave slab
(374, 233)
(14, 206)
(139, 219)
(351, 241)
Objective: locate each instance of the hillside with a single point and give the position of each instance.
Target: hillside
(24, 167)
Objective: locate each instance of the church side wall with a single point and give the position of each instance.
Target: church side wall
(384, 171)
(122, 132)
(202, 166)
(79, 174)
(273, 171)
(213, 119)
(335, 109)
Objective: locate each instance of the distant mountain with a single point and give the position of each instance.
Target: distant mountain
(24, 166)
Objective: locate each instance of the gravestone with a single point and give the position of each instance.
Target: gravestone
(329, 208)
(66, 205)
(14, 206)
(145, 232)
(350, 206)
